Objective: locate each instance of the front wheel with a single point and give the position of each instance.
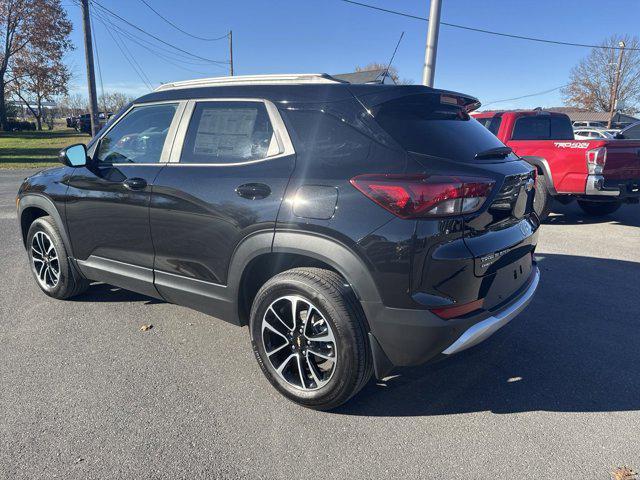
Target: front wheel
(49, 262)
(309, 337)
(598, 209)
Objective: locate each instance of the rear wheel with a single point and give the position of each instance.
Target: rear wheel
(543, 201)
(49, 261)
(598, 209)
(309, 337)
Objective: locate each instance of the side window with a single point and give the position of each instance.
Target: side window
(138, 137)
(229, 132)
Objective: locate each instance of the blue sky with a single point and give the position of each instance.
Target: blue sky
(290, 36)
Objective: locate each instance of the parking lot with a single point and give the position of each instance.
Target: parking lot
(554, 395)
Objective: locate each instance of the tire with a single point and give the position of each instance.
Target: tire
(543, 201)
(336, 313)
(43, 236)
(598, 209)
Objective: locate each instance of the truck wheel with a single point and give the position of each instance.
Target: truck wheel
(49, 261)
(543, 201)
(309, 337)
(598, 209)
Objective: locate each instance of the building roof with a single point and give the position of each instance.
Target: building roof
(581, 115)
(365, 76)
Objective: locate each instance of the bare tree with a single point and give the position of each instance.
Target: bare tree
(393, 72)
(72, 105)
(592, 80)
(28, 26)
(114, 101)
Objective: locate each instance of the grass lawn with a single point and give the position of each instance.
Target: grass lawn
(36, 149)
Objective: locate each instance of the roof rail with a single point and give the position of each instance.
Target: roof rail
(295, 78)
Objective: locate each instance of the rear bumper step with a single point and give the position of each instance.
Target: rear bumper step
(484, 329)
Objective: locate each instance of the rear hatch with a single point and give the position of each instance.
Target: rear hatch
(436, 130)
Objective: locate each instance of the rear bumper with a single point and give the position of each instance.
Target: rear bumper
(598, 186)
(487, 327)
(405, 337)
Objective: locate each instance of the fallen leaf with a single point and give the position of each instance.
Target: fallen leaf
(144, 328)
(624, 473)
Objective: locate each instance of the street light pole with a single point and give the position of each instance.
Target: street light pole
(91, 76)
(614, 92)
(431, 50)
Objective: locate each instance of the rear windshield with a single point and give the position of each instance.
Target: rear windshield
(491, 123)
(423, 124)
(543, 127)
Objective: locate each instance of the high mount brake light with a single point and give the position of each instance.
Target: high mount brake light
(596, 160)
(416, 196)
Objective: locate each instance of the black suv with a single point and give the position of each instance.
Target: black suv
(353, 228)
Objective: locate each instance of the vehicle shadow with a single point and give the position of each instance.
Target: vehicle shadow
(575, 349)
(628, 214)
(101, 292)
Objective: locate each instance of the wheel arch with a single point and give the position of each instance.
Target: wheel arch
(33, 207)
(542, 166)
(257, 259)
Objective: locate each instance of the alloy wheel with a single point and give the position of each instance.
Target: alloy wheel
(45, 260)
(299, 342)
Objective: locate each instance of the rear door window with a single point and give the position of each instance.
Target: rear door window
(424, 124)
(229, 132)
(491, 123)
(542, 127)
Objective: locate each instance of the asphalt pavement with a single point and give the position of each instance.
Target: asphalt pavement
(554, 395)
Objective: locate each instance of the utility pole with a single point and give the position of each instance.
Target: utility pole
(231, 52)
(614, 92)
(91, 76)
(431, 50)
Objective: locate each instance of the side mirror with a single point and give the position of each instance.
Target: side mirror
(618, 136)
(74, 155)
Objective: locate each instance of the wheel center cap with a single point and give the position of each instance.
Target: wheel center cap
(298, 341)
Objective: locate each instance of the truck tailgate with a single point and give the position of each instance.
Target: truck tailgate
(623, 160)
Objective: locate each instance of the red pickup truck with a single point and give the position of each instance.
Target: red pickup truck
(600, 174)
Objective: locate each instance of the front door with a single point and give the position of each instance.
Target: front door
(108, 200)
(235, 159)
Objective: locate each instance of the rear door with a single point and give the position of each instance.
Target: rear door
(229, 171)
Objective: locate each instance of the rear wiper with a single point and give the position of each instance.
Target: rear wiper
(498, 152)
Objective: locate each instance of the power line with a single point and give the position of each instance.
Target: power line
(525, 96)
(480, 30)
(140, 75)
(110, 12)
(180, 29)
(152, 49)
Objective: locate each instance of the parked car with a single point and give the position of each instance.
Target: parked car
(600, 174)
(581, 125)
(591, 134)
(632, 132)
(84, 121)
(353, 228)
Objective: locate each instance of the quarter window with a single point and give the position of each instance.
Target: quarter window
(139, 137)
(229, 132)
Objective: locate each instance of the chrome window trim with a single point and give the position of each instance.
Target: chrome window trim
(285, 146)
(168, 141)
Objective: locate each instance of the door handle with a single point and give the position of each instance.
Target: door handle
(253, 191)
(135, 183)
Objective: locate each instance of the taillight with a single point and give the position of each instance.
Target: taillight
(413, 196)
(596, 159)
